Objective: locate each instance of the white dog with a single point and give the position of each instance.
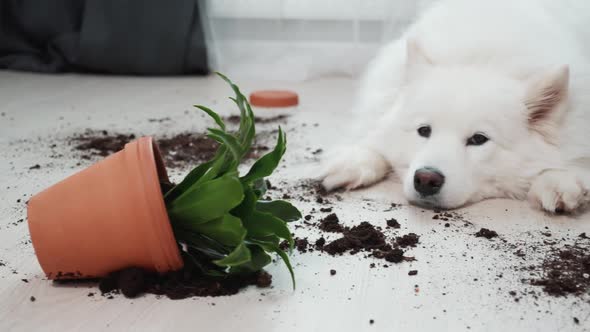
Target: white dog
(479, 99)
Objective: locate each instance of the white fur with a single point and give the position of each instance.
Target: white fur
(517, 71)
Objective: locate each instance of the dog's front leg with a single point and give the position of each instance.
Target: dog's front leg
(560, 191)
(353, 167)
(363, 162)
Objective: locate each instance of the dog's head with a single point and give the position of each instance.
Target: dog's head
(459, 134)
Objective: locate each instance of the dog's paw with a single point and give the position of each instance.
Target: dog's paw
(352, 168)
(558, 191)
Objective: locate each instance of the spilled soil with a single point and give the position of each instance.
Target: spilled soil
(408, 240)
(235, 119)
(133, 282)
(565, 271)
(363, 237)
(331, 223)
(393, 223)
(487, 233)
(180, 150)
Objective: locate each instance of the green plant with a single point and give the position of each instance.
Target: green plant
(219, 216)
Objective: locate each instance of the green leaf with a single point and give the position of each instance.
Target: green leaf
(259, 187)
(246, 123)
(261, 224)
(201, 243)
(266, 164)
(280, 209)
(230, 142)
(240, 255)
(268, 243)
(200, 174)
(207, 201)
(213, 115)
(216, 168)
(227, 230)
(287, 262)
(249, 136)
(247, 205)
(272, 246)
(191, 178)
(247, 130)
(259, 259)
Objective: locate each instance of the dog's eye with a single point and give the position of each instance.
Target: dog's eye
(477, 139)
(424, 131)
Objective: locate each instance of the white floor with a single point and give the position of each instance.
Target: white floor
(462, 283)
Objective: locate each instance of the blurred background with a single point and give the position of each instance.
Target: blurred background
(289, 40)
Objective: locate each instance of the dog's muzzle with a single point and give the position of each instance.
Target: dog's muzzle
(428, 181)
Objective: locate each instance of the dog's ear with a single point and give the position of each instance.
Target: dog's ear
(546, 100)
(416, 60)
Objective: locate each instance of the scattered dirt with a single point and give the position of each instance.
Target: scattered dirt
(160, 120)
(408, 240)
(487, 233)
(331, 223)
(332, 272)
(263, 279)
(453, 216)
(362, 237)
(319, 243)
(395, 255)
(132, 282)
(235, 119)
(413, 272)
(393, 223)
(310, 191)
(317, 151)
(301, 244)
(445, 216)
(101, 144)
(184, 149)
(565, 271)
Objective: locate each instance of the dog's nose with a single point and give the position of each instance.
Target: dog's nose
(428, 181)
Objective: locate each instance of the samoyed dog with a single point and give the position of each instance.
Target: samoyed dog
(476, 100)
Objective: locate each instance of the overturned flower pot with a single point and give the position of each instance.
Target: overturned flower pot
(115, 219)
(107, 217)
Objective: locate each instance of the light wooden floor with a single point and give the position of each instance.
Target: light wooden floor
(462, 284)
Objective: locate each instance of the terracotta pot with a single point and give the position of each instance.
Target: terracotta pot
(105, 218)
